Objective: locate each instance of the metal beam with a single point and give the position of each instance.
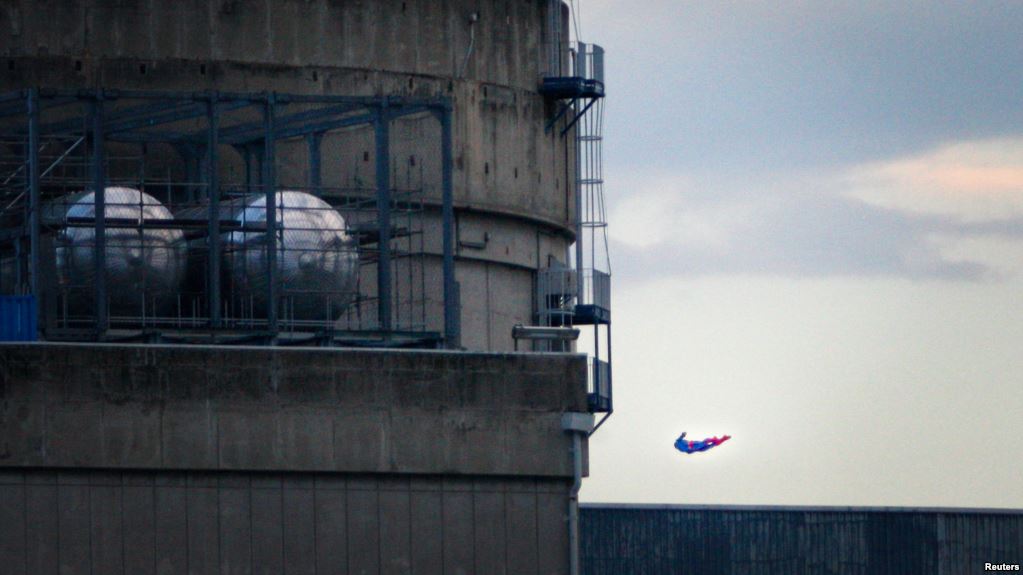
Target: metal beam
(452, 307)
(250, 130)
(296, 131)
(125, 114)
(578, 116)
(326, 126)
(155, 117)
(313, 142)
(99, 206)
(383, 177)
(148, 116)
(561, 112)
(213, 193)
(270, 189)
(34, 199)
(157, 136)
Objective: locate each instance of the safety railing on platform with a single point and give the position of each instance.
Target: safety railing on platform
(599, 386)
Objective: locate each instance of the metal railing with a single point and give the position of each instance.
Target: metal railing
(596, 289)
(556, 291)
(588, 61)
(599, 386)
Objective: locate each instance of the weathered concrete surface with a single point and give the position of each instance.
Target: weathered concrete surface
(504, 159)
(513, 180)
(103, 522)
(274, 409)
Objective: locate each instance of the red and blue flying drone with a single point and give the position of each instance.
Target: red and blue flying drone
(686, 446)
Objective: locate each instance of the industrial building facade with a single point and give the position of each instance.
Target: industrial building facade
(764, 540)
(221, 218)
(187, 459)
(444, 135)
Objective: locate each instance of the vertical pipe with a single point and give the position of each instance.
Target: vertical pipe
(247, 155)
(191, 169)
(19, 273)
(270, 189)
(314, 180)
(573, 503)
(579, 280)
(610, 371)
(213, 221)
(34, 199)
(100, 207)
(383, 177)
(452, 313)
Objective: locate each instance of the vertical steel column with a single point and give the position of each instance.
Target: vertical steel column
(579, 279)
(610, 372)
(452, 308)
(19, 273)
(247, 155)
(270, 189)
(34, 207)
(213, 223)
(99, 185)
(383, 176)
(314, 180)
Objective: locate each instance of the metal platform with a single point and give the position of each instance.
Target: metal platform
(572, 88)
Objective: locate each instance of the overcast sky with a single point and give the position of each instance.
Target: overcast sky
(816, 215)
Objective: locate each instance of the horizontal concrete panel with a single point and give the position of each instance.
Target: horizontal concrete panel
(403, 37)
(167, 407)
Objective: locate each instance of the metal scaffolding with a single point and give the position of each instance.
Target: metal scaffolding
(581, 294)
(191, 184)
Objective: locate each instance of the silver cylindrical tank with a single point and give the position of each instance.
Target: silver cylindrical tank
(317, 258)
(145, 264)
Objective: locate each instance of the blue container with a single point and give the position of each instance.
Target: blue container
(17, 318)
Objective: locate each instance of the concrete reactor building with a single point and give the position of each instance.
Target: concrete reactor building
(271, 279)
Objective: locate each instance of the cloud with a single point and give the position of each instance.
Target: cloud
(665, 210)
(955, 213)
(973, 181)
(725, 85)
(1001, 256)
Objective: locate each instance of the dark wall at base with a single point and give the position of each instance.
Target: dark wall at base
(101, 522)
(201, 460)
(711, 540)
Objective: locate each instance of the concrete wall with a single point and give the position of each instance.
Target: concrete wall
(165, 459)
(512, 180)
(168, 407)
(102, 522)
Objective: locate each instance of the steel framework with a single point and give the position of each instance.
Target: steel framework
(581, 294)
(56, 142)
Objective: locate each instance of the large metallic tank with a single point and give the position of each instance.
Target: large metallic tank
(317, 258)
(144, 264)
